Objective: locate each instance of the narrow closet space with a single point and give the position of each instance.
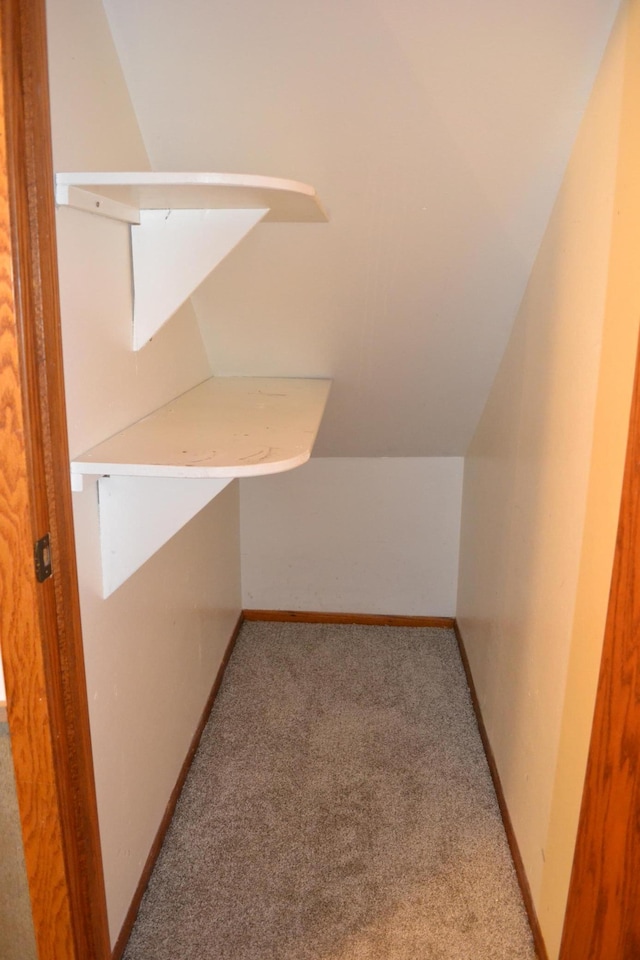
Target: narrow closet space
(344, 353)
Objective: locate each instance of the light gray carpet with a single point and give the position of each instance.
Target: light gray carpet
(339, 808)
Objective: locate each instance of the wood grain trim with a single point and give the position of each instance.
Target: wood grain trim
(20, 620)
(360, 619)
(156, 846)
(602, 919)
(43, 656)
(540, 947)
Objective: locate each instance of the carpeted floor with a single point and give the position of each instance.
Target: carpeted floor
(339, 808)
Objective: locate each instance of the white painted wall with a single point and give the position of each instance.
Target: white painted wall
(152, 652)
(542, 487)
(354, 535)
(153, 648)
(435, 133)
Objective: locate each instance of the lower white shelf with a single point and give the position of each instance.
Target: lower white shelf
(158, 473)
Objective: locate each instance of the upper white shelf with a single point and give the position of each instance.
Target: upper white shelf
(123, 195)
(182, 226)
(223, 428)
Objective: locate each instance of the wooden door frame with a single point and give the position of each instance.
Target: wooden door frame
(602, 919)
(40, 622)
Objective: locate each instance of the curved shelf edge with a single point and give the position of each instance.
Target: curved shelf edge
(166, 472)
(122, 195)
(187, 452)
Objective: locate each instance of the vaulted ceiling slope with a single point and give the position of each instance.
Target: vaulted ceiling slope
(436, 135)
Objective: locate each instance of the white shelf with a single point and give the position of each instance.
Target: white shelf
(182, 226)
(124, 195)
(225, 427)
(221, 429)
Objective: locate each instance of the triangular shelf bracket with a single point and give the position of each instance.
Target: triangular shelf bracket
(173, 251)
(138, 515)
(183, 225)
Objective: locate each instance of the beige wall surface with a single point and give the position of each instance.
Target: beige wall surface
(152, 652)
(619, 348)
(540, 499)
(153, 647)
(354, 535)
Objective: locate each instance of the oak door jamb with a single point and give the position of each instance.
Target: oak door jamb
(41, 635)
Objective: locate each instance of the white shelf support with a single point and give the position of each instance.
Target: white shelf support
(183, 225)
(173, 251)
(69, 196)
(138, 515)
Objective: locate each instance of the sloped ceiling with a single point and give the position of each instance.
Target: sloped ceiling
(436, 135)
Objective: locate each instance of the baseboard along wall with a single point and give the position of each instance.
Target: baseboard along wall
(361, 619)
(523, 882)
(156, 846)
